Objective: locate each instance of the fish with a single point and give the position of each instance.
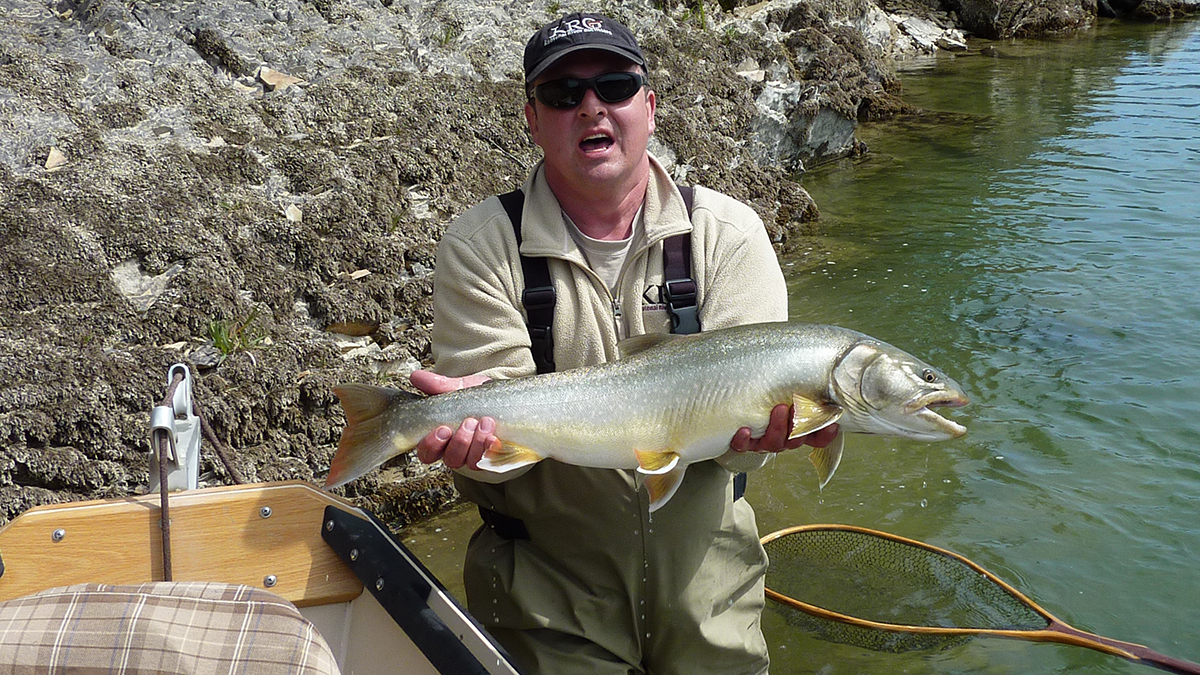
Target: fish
(667, 402)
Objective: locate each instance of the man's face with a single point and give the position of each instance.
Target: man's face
(595, 145)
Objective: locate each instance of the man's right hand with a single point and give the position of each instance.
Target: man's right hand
(456, 448)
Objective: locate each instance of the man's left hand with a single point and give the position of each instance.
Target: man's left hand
(775, 438)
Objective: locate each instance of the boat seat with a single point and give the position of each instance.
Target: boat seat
(160, 628)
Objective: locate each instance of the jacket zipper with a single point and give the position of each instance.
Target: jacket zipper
(614, 301)
(617, 319)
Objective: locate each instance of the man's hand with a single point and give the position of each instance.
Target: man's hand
(456, 448)
(775, 438)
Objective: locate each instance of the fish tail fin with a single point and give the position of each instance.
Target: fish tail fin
(507, 456)
(663, 486)
(365, 443)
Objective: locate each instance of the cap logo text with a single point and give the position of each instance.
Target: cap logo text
(574, 27)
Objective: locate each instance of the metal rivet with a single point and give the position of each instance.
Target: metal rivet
(270, 581)
(329, 526)
(353, 554)
(59, 535)
(379, 584)
(265, 512)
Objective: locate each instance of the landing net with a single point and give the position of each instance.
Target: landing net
(886, 593)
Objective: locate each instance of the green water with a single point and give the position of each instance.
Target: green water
(1038, 240)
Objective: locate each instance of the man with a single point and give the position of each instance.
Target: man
(570, 572)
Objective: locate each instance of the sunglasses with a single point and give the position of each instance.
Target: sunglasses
(568, 92)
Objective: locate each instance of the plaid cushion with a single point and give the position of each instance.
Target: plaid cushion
(163, 628)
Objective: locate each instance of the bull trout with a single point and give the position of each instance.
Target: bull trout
(669, 401)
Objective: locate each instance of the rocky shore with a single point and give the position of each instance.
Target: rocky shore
(256, 189)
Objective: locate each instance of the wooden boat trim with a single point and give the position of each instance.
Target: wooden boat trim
(265, 535)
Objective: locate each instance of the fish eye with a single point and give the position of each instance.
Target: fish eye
(929, 375)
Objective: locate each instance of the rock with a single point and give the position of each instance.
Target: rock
(205, 357)
(749, 69)
(55, 159)
(140, 290)
(952, 43)
(997, 19)
(1155, 10)
(274, 80)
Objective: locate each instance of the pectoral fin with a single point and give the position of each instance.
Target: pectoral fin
(809, 415)
(656, 463)
(663, 486)
(508, 457)
(827, 459)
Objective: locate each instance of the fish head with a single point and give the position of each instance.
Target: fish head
(885, 390)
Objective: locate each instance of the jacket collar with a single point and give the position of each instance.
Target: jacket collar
(544, 232)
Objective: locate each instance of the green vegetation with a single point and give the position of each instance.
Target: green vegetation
(693, 11)
(230, 336)
(450, 33)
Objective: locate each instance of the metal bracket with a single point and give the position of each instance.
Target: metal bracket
(182, 429)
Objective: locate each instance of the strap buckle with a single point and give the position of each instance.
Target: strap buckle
(680, 295)
(542, 297)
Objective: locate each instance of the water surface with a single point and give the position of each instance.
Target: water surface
(1038, 240)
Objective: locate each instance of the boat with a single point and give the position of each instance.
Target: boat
(351, 598)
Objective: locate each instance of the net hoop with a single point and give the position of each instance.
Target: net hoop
(1055, 631)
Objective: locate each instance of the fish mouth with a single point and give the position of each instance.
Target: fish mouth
(922, 406)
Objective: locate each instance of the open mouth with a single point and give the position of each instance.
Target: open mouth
(596, 142)
(922, 407)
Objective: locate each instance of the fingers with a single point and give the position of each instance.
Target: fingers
(431, 383)
(821, 437)
(485, 437)
(775, 437)
(772, 440)
(456, 449)
(431, 448)
(742, 441)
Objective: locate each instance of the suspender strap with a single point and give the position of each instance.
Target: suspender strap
(538, 298)
(679, 288)
(739, 486)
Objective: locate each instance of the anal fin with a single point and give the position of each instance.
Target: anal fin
(508, 457)
(656, 462)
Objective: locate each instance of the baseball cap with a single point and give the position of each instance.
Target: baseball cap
(575, 32)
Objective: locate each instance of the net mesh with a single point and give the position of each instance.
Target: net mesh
(879, 579)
